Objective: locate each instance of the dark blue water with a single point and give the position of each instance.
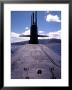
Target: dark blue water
(56, 47)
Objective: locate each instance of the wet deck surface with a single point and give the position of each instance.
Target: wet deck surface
(35, 62)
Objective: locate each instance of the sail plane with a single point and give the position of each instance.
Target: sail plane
(33, 30)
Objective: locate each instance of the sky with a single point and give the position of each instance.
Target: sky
(47, 22)
(21, 20)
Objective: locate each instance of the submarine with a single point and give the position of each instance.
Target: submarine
(33, 60)
(33, 30)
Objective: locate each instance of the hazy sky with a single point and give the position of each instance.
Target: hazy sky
(48, 21)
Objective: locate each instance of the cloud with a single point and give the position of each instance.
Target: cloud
(52, 18)
(56, 35)
(15, 36)
(27, 32)
(41, 32)
(51, 35)
(26, 28)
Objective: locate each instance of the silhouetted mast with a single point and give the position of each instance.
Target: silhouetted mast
(33, 18)
(36, 17)
(33, 30)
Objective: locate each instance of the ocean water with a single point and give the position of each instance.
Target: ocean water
(56, 47)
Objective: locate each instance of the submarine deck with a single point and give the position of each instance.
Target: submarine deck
(35, 61)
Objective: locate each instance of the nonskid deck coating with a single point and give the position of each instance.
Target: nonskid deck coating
(30, 58)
